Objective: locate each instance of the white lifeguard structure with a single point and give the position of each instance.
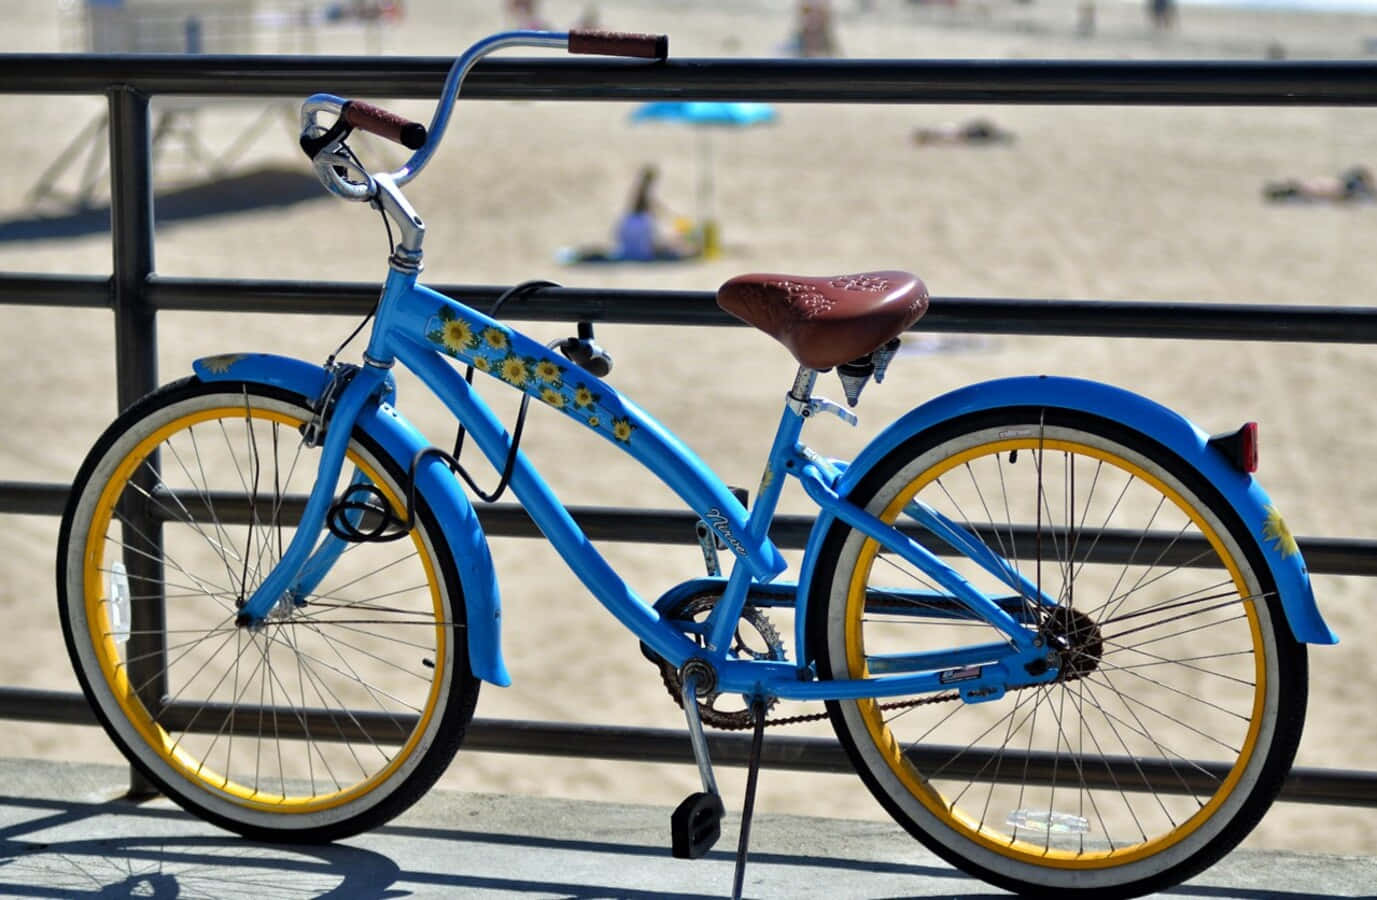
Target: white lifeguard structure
(202, 26)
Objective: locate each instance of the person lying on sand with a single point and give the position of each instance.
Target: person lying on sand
(1352, 185)
(976, 131)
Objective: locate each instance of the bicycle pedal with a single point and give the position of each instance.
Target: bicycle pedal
(696, 825)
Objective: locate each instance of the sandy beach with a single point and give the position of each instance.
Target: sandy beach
(1151, 203)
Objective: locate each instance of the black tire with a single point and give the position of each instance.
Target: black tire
(1163, 657)
(333, 717)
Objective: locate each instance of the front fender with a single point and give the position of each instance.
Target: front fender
(1168, 428)
(401, 441)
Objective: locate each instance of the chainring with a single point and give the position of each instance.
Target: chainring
(714, 707)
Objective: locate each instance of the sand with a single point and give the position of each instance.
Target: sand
(1141, 204)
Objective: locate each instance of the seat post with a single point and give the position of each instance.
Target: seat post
(804, 379)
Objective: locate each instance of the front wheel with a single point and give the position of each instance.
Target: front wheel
(336, 714)
(1181, 696)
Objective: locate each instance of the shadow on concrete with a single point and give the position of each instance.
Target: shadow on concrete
(158, 862)
(116, 848)
(149, 855)
(249, 191)
(660, 851)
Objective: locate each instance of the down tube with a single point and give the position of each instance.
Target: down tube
(544, 508)
(427, 323)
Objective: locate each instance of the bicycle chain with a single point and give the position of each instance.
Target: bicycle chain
(1071, 675)
(742, 719)
(738, 722)
(884, 707)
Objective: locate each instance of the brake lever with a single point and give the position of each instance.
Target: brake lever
(344, 176)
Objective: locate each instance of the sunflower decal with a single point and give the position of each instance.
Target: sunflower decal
(553, 397)
(549, 372)
(622, 428)
(1274, 529)
(515, 371)
(221, 364)
(584, 398)
(482, 364)
(454, 334)
(593, 421)
(496, 338)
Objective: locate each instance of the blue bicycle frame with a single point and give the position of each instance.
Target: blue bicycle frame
(422, 329)
(419, 328)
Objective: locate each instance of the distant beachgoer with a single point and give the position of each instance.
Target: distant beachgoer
(589, 18)
(1355, 184)
(638, 235)
(525, 15)
(814, 35)
(1085, 18)
(1162, 13)
(976, 131)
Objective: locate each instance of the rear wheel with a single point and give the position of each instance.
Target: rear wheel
(1181, 696)
(339, 711)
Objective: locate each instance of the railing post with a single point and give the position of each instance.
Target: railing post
(136, 373)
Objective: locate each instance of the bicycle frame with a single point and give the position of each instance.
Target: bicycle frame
(419, 327)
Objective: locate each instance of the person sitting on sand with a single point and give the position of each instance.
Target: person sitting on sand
(638, 235)
(1352, 185)
(976, 131)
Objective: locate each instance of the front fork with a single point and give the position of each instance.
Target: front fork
(303, 565)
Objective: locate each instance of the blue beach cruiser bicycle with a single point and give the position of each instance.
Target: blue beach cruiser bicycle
(1059, 630)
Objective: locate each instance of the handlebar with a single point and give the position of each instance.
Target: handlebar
(616, 43)
(385, 124)
(335, 165)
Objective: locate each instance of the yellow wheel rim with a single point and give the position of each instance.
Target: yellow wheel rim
(165, 746)
(892, 751)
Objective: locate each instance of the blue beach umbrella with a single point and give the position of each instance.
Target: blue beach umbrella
(705, 117)
(701, 112)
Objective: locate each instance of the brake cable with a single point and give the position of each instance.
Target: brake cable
(388, 526)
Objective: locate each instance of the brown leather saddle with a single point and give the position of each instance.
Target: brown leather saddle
(825, 322)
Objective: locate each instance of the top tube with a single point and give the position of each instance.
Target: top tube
(551, 39)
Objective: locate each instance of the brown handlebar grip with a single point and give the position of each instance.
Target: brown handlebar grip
(616, 43)
(385, 124)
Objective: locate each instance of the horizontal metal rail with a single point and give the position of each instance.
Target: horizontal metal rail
(1081, 82)
(1323, 556)
(1199, 320)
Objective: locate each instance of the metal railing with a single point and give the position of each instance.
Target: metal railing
(136, 293)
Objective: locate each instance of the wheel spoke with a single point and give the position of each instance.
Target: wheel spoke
(304, 721)
(1162, 655)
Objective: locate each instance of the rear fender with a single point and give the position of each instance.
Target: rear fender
(401, 441)
(1240, 490)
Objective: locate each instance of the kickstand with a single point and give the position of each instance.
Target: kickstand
(752, 775)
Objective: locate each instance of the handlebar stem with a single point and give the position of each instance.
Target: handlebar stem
(389, 198)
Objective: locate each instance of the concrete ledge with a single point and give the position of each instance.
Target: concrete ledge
(65, 832)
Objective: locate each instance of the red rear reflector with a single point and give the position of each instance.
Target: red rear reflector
(1248, 448)
(1240, 447)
